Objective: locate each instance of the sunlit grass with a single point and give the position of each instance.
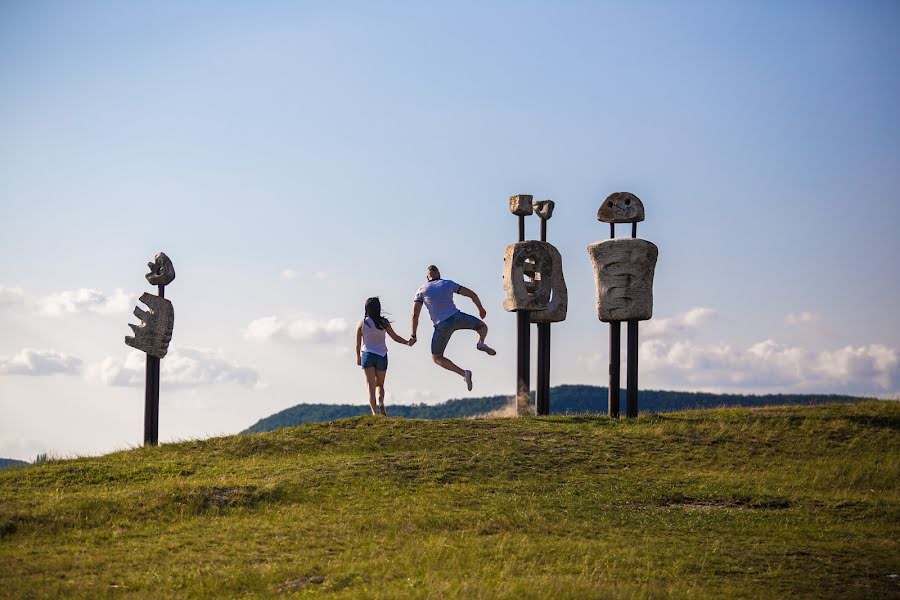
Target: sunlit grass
(786, 501)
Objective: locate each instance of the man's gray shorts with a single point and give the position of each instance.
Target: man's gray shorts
(444, 329)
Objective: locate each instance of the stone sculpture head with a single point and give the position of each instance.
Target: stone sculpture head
(621, 207)
(521, 205)
(162, 271)
(544, 208)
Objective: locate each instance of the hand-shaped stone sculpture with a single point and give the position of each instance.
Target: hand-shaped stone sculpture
(155, 331)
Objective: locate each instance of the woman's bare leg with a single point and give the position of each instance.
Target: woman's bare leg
(379, 383)
(370, 382)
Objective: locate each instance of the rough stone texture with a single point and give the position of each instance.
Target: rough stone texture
(155, 331)
(162, 271)
(520, 205)
(559, 297)
(532, 258)
(544, 208)
(621, 207)
(623, 272)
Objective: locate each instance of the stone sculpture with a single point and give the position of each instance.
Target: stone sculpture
(527, 275)
(536, 291)
(152, 336)
(155, 331)
(162, 271)
(558, 305)
(521, 205)
(623, 275)
(621, 207)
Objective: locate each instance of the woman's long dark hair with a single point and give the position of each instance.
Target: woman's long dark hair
(373, 311)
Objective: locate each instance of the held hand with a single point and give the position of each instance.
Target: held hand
(412, 341)
(482, 312)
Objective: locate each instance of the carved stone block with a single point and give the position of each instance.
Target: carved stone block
(520, 205)
(621, 207)
(527, 276)
(623, 272)
(544, 208)
(162, 271)
(155, 331)
(559, 294)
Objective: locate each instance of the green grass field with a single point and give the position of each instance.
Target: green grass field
(743, 503)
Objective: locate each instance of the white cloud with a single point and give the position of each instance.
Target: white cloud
(322, 275)
(10, 296)
(301, 328)
(183, 367)
(31, 361)
(677, 325)
(801, 318)
(769, 365)
(289, 274)
(85, 300)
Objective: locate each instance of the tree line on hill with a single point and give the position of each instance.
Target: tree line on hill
(564, 399)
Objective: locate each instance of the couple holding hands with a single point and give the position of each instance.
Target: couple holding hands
(437, 296)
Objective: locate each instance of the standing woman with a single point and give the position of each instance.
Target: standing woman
(371, 350)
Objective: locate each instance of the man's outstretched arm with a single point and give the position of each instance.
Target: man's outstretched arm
(417, 308)
(464, 291)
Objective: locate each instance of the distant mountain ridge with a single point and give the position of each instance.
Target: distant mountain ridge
(563, 399)
(5, 463)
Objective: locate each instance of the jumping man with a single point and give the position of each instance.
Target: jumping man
(437, 295)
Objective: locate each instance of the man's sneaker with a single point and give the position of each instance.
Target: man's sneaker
(467, 375)
(485, 348)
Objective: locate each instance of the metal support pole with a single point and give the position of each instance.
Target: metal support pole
(523, 364)
(151, 402)
(543, 354)
(521, 228)
(543, 368)
(615, 352)
(151, 395)
(612, 231)
(632, 393)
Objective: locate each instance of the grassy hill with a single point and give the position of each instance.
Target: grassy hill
(565, 399)
(737, 503)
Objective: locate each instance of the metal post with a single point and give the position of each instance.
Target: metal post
(543, 368)
(543, 355)
(151, 395)
(615, 352)
(521, 228)
(632, 393)
(612, 231)
(523, 364)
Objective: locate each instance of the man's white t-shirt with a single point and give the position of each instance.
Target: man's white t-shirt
(437, 295)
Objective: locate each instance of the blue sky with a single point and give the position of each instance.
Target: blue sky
(296, 158)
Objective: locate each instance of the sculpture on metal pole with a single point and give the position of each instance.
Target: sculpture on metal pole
(535, 291)
(623, 273)
(554, 313)
(153, 336)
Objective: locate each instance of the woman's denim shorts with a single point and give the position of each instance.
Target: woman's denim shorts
(370, 359)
